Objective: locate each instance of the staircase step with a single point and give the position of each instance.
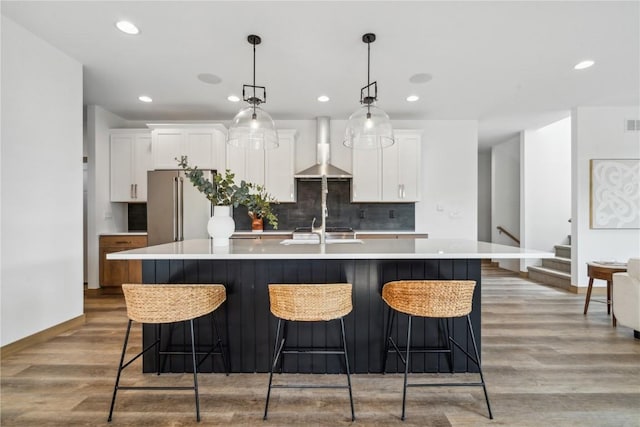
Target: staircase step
(551, 277)
(557, 263)
(563, 251)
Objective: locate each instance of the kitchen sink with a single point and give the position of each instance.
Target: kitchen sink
(332, 233)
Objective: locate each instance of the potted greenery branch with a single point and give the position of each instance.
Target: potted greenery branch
(259, 207)
(224, 193)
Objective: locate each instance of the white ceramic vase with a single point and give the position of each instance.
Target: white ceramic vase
(221, 225)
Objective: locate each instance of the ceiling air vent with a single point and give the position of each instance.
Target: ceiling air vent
(632, 125)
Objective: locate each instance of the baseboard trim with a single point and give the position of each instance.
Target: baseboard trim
(600, 290)
(42, 336)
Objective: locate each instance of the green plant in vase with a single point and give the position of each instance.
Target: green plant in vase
(259, 208)
(223, 191)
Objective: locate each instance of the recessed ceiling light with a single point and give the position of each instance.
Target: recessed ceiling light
(212, 79)
(412, 98)
(145, 98)
(127, 27)
(323, 98)
(420, 78)
(233, 98)
(584, 64)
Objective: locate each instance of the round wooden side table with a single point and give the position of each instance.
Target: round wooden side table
(603, 271)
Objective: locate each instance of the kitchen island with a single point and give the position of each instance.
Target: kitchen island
(247, 266)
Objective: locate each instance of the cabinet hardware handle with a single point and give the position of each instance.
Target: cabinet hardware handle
(135, 190)
(131, 191)
(175, 209)
(122, 242)
(399, 191)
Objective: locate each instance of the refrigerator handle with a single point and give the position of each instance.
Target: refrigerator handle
(181, 208)
(175, 209)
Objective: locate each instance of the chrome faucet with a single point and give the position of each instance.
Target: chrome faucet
(322, 230)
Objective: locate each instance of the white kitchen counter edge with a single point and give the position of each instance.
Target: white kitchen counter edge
(124, 233)
(368, 249)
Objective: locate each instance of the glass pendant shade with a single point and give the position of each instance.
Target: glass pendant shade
(368, 128)
(253, 128)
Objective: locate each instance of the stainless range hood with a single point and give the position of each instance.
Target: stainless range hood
(323, 155)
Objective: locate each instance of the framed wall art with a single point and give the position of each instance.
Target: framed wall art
(615, 193)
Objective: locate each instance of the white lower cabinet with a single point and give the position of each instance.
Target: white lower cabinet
(203, 144)
(272, 168)
(130, 159)
(391, 174)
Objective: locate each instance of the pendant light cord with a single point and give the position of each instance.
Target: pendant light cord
(254, 81)
(368, 80)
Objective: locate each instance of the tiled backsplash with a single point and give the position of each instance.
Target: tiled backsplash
(342, 213)
(137, 216)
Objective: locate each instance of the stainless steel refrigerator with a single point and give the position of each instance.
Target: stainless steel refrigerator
(176, 210)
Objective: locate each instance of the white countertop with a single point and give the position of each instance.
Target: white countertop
(366, 249)
(263, 233)
(124, 233)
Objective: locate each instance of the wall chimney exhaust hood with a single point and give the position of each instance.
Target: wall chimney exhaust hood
(323, 155)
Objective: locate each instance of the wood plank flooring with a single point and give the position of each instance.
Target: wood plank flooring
(545, 365)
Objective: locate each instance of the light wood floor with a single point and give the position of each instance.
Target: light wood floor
(545, 365)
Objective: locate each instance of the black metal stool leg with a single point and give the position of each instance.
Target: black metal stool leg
(475, 349)
(219, 343)
(167, 348)
(445, 323)
(115, 388)
(159, 342)
(406, 368)
(346, 362)
(387, 337)
(195, 370)
(276, 353)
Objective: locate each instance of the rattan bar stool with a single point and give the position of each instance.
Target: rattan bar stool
(441, 299)
(160, 304)
(309, 303)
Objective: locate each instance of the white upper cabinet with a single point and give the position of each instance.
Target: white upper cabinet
(279, 168)
(130, 159)
(246, 164)
(401, 168)
(272, 168)
(391, 174)
(203, 144)
(366, 184)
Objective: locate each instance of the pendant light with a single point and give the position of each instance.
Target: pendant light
(369, 127)
(252, 127)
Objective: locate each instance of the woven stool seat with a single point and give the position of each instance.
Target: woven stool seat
(161, 304)
(430, 298)
(308, 303)
(439, 299)
(171, 303)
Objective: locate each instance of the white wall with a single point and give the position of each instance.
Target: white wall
(545, 188)
(598, 133)
(449, 204)
(41, 228)
(505, 195)
(102, 215)
(484, 196)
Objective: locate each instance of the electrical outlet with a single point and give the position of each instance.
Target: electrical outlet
(362, 215)
(392, 213)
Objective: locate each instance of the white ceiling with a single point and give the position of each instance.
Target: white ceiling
(508, 65)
